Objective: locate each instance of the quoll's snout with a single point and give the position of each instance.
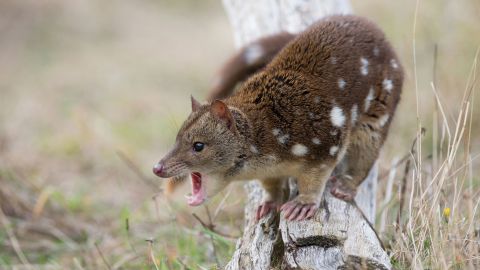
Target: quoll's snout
(158, 169)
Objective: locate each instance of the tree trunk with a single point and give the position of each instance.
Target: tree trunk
(339, 236)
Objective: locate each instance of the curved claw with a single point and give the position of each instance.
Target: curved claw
(294, 210)
(342, 191)
(264, 209)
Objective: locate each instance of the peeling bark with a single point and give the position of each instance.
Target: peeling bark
(339, 236)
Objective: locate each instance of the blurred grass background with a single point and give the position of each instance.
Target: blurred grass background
(92, 94)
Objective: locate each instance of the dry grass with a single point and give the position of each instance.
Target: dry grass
(438, 227)
(433, 217)
(92, 94)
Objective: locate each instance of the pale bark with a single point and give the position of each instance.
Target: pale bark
(338, 236)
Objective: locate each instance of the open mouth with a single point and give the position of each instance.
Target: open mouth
(198, 191)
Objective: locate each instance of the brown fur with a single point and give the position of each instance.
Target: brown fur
(237, 69)
(247, 61)
(297, 117)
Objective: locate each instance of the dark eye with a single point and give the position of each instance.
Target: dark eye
(198, 146)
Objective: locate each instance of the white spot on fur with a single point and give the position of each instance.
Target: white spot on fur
(387, 85)
(253, 149)
(376, 51)
(369, 99)
(311, 115)
(342, 153)
(334, 132)
(333, 59)
(253, 53)
(316, 141)
(383, 120)
(299, 150)
(333, 150)
(394, 63)
(341, 83)
(337, 117)
(354, 114)
(364, 66)
(317, 100)
(283, 139)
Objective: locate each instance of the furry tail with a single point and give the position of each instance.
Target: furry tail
(246, 62)
(172, 184)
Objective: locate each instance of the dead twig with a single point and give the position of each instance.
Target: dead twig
(388, 197)
(211, 236)
(109, 267)
(183, 264)
(151, 254)
(127, 230)
(211, 227)
(404, 179)
(395, 165)
(125, 259)
(13, 239)
(132, 166)
(354, 203)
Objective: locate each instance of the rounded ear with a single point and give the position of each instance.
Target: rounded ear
(195, 104)
(220, 110)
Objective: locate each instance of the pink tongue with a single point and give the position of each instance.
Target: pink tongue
(198, 191)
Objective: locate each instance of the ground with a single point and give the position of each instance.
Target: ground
(93, 92)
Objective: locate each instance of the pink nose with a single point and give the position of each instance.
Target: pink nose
(158, 169)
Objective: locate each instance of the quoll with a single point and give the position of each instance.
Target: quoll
(324, 102)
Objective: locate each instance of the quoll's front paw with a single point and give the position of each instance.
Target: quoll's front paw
(265, 208)
(342, 188)
(301, 208)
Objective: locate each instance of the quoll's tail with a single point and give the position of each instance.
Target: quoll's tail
(246, 62)
(172, 184)
(170, 187)
(238, 68)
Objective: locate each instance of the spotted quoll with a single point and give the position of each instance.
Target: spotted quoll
(323, 103)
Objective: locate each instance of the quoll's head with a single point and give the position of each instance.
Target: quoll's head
(205, 148)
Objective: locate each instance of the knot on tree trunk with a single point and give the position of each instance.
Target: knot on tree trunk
(337, 237)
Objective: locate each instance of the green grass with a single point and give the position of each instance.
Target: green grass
(82, 82)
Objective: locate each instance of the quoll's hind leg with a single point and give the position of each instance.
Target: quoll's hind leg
(311, 185)
(272, 197)
(363, 150)
(366, 139)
